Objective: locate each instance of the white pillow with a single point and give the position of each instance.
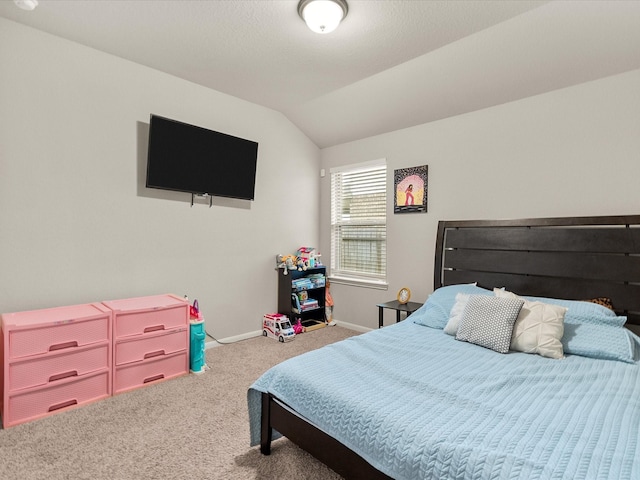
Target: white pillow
(539, 327)
(456, 313)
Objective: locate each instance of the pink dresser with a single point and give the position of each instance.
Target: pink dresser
(150, 340)
(54, 359)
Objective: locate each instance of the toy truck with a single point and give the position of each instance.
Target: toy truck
(276, 325)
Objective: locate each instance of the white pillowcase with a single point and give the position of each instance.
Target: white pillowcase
(539, 327)
(456, 313)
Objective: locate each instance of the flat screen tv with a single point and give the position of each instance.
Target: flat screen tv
(193, 159)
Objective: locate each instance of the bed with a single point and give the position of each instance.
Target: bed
(415, 401)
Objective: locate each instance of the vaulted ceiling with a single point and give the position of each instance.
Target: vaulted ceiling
(391, 64)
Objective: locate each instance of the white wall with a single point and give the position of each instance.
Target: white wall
(566, 153)
(76, 222)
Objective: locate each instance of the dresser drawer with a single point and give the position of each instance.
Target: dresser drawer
(71, 334)
(32, 404)
(136, 316)
(151, 345)
(57, 366)
(137, 375)
(139, 323)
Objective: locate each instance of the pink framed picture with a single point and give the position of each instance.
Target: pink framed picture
(410, 190)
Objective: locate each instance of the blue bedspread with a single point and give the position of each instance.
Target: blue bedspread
(417, 404)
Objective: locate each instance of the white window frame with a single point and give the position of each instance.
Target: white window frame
(338, 273)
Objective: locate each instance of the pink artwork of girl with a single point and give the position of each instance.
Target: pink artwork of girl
(409, 195)
(410, 191)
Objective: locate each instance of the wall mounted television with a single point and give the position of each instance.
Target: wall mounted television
(196, 160)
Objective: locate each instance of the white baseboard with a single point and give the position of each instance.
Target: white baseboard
(257, 333)
(353, 326)
(235, 338)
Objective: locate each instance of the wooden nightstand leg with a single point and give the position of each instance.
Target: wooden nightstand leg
(397, 316)
(380, 317)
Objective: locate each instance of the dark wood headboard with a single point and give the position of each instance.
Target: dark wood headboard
(572, 258)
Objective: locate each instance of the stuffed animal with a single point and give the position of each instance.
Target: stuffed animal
(291, 261)
(286, 262)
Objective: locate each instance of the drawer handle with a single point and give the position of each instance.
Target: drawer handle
(58, 406)
(154, 354)
(154, 378)
(60, 376)
(60, 346)
(154, 328)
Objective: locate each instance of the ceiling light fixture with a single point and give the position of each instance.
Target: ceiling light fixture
(322, 16)
(26, 4)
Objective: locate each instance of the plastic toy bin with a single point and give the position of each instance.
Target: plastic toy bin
(196, 346)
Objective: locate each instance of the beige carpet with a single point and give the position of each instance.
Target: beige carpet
(193, 427)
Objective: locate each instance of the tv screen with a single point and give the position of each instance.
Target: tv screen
(193, 159)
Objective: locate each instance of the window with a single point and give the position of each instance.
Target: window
(359, 222)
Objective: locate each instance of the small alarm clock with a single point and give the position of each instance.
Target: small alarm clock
(404, 294)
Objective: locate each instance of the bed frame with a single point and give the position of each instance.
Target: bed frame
(574, 258)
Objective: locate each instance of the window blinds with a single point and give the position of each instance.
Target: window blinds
(358, 221)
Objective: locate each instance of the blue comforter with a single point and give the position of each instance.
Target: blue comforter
(418, 404)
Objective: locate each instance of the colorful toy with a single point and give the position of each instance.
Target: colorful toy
(197, 336)
(308, 256)
(302, 264)
(298, 327)
(328, 306)
(286, 263)
(276, 325)
(194, 311)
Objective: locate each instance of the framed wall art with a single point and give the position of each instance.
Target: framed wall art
(410, 189)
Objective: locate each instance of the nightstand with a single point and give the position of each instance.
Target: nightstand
(408, 308)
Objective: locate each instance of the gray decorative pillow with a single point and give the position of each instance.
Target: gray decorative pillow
(488, 321)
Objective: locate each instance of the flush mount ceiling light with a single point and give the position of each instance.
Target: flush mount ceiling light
(322, 16)
(26, 4)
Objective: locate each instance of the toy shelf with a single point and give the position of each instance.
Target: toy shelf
(312, 282)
